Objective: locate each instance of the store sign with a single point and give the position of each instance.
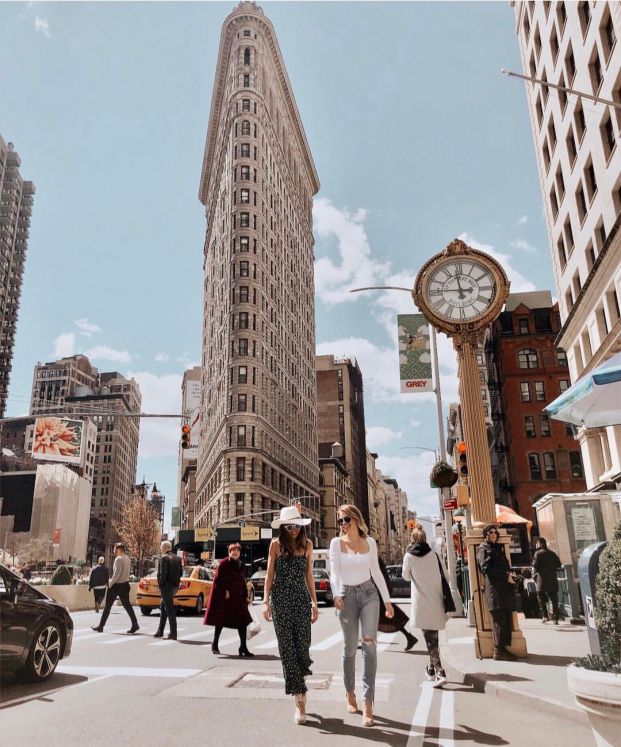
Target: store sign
(450, 504)
(583, 520)
(203, 534)
(414, 353)
(249, 534)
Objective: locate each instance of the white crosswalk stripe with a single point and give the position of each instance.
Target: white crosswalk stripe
(421, 716)
(328, 642)
(384, 640)
(447, 718)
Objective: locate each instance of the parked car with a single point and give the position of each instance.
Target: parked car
(258, 582)
(322, 587)
(400, 587)
(193, 593)
(35, 631)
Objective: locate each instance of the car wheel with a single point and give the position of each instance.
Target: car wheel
(199, 605)
(44, 653)
(146, 610)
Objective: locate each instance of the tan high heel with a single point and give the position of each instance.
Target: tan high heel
(367, 713)
(352, 705)
(300, 708)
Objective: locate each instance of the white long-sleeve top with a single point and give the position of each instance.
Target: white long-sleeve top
(353, 569)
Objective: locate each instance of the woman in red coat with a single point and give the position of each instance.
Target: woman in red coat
(228, 603)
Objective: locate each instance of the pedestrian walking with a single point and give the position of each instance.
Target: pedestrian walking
(356, 579)
(98, 581)
(530, 602)
(399, 622)
(422, 568)
(228, 602)
(499, 590)
(290, 601)
(545, 564)
(26, 573)
(118, 586)
(169, 572)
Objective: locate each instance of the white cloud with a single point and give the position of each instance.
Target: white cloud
(160, 395)
(522, 221)
(41, 26)
(162, 357)
(523, 246)
(519, 284)
(187, 361)
(106, 353)
(355, 266)
(86, 328)
(64, 345)
(412, 474)
(377, 435)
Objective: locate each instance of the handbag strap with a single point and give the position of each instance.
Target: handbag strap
(440, 567)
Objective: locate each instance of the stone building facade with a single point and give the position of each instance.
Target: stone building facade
(575, 44)
(258, 440)
(16, 198)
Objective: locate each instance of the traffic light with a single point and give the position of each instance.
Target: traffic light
(186, 433)
(462, 461)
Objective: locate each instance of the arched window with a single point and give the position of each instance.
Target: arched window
(245, 127)
(527, 358)
(247, 56)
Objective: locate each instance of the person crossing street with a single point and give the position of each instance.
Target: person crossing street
(168, 578)
(118, 586)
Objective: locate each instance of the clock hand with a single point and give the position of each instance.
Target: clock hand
(460, 289)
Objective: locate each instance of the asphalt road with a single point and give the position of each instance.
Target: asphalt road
(117, 689)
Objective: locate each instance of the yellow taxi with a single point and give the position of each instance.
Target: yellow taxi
(193, 593)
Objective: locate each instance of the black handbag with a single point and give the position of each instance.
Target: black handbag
(449, 604)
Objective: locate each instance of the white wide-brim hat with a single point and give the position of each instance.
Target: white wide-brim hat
(290, 515)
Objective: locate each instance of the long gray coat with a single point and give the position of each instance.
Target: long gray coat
(427, 603)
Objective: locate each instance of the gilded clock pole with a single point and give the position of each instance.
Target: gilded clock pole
(461, 291)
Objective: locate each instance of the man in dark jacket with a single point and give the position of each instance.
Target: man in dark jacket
(98, 581)
(168, 578)
(499, 590)
(545, 564)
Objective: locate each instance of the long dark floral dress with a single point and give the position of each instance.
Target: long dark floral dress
(291, 613)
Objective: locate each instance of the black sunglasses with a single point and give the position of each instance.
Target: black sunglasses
(343, 520)
(291, 527)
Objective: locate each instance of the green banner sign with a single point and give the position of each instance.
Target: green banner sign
(414, 353)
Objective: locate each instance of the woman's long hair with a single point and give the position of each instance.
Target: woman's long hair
(287, 545)
(354, 513)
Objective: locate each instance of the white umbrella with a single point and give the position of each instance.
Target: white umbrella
(594, 400)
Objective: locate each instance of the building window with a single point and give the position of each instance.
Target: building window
(540, 392)
(242, 375)
(569, 235)
(243, 346)
(562, 257)
(245, 105)
(554, 45)
(549, 465)
(244, 269)
(523, 325)
(544, 425)
(246, 81)
(595, 71)
(561, 358)
(245, 150)
(607, 35)
(560, 184)
(240, 469)
(553, 203)
(525, 391)
(570, 142)
(552, 134)
(244, 220)
(243, 320)
(590, 180)
(241, 435)
(584, 14)
(579, 121)
(575, 464)
(563, 385)
(243, 243)
(244, 173)
(247, 56)
(581, 203)
(244, 196)
(243, 294)
(607, 134)
(570, 66)
(561, 16)
(534, 465)
(242, 401)
(529, 426)
(527, 358)
(245, 127)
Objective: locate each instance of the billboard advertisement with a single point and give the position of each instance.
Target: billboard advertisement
(58, 440)
(414, 353)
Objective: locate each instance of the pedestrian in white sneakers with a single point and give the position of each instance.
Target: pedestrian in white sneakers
(421, 566)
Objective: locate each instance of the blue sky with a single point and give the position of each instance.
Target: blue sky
(416, 136)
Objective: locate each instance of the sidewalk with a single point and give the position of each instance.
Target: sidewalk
(539, 681)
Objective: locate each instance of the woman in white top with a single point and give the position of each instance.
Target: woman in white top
(354, 569)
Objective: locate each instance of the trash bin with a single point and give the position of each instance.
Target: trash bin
(588, 565)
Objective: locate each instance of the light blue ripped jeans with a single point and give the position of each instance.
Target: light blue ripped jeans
(360, 616)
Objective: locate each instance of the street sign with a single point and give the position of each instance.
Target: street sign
(450, 504)
(203, 534)
(249, 534)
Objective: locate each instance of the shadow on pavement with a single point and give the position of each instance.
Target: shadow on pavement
(397, 733)
(544, 660)
(14, 691)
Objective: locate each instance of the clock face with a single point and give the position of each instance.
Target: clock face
(461, 290)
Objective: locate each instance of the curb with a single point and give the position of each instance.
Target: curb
(479, 682)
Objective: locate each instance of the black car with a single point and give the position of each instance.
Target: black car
(258, 582)
(400, 587)
(322, 586)
(35, 631)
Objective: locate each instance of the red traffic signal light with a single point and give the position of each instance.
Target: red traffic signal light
(186, 433)
(462, 460)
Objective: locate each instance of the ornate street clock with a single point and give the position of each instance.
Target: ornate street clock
(461, 289)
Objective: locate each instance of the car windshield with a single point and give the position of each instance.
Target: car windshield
(321, 574)
(259, 574)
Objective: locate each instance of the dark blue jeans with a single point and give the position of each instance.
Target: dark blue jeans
(167, 608)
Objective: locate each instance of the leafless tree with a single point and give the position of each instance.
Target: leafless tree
(139, 529)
